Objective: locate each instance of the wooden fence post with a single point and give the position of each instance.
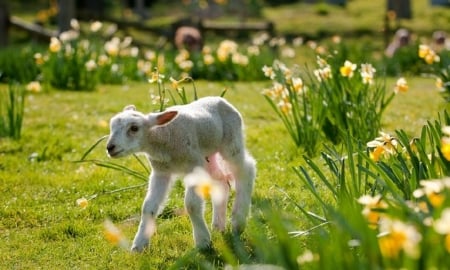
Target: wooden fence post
(4, 23)
(66, 12)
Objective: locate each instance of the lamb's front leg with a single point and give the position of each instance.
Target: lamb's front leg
(195, 208)
(157, 193)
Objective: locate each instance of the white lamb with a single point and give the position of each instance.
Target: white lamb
(203, 134)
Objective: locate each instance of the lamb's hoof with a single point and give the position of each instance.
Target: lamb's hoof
(204, 246)
(139, 246)
(137, 249)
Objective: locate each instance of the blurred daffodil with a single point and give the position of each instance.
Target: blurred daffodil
(82, 203)
(398, 236)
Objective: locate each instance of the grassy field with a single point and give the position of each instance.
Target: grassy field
(41, 225)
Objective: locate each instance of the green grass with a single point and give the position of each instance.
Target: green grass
(41, 225)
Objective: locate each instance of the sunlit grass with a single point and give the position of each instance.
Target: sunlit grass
(43, 225)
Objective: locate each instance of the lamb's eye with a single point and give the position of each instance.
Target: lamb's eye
(134, 128)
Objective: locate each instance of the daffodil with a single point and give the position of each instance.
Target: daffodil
(114, 235)
(397, 236)
(208, 59)
(424, 50)
(297, 85)
(82, 203)
(401, 85)
(445, 147)
(156, 77)
(39, 59)
(34, 86)
(372, 207)
(268, 72)
(96, 26)
(347, 69)
(385, 144)
(204, 185)
(285, 106)
(367, 73)
(239, 59)
(433, 190)
(90, 65)
(225, 49)
(323, 73)
(428, 54)
(175, 84)
(55, 45)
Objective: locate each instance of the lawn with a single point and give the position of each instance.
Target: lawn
(41, 224)
(317, 198)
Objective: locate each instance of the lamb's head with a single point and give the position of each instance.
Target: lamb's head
(129, 129)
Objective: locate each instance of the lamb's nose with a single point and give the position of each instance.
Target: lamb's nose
(110, 147)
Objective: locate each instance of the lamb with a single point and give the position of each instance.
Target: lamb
(203, 134)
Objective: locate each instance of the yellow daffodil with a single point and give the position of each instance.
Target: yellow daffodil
(384, 144)
(225, 49)
(239, 59)
(253, 50)
(428, 54)
(114, 235)
(39, 59)
(367, 73)
(268, 72)
(401, 85)
(285, 106)
(347, 69)
(372, 207)
(205, 186)
(445, 147)
(398, 236)
(156, 77)
(297, 85)
(208, 59)
(433, 190)
(323, 73)
(95, 26)
(90, 65)
(34, 86)
(82, 203)
(424, 50)
(55, 45)
(375, 155)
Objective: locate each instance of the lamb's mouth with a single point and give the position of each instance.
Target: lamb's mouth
(115, 154)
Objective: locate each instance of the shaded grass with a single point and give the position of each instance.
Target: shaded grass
(41, 225)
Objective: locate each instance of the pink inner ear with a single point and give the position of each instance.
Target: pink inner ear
(165, 117)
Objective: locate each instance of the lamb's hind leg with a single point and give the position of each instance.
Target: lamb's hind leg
(219, 172)
(243, 167)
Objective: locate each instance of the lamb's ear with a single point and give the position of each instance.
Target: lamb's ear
(129, 107)
(165, 117)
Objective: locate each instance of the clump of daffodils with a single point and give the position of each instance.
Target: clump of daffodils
(428, 54)
(285, 86)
